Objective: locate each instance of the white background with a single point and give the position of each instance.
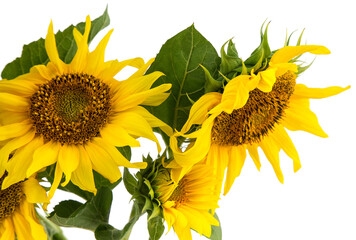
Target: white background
(319, 201)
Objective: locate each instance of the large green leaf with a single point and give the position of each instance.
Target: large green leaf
(180, 59)
(35, 52)
(90, 215)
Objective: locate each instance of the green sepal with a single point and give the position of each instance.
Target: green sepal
(35, 52)
(230, 60)
(89, 216)
(261, 54)
(155, 228)
(211, 85)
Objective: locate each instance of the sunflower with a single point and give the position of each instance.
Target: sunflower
(253, 111)
(75, 115)
(189, 203)
(18, 218)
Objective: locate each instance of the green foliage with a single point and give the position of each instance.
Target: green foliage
(216, 231)
(35, 52)
(90, 215)
(155, 228)
(180, 59)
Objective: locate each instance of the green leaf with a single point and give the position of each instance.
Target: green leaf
(130, 181)
(35, 52)
(90, 215)
(53, 231)
(216, 231)
(180, 59)
(155, 228)
(108, 232)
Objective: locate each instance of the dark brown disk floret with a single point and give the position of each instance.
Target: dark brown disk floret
(71, 108)
(258, 117)
(10, 198)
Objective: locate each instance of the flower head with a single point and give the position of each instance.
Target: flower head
(189, 203)
(75, 115)
(17, 213)
(253, 111)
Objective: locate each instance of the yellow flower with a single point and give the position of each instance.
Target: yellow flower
(17, 213)
(253, 111)
(75, 115)
(189, 203)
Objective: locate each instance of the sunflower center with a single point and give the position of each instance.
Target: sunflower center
(258, 117)
(10, 199)
(180, 194)
(71, 108)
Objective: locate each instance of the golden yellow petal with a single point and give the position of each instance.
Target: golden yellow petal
(102, 162)
(14, 130)
(271, 151)
(153, 121)
(83, 175)
(51, 49)
(12, 145)
(196, 221)
(235, 163)
(300, 117)
(30, 215)
(199, 111)
(9, 230)
(119, 159)
(97, 57)
(287, 53)
(111, 68)
(13, 103)
(22, 227)
(68, 160)
(142, 70)
(252, 150)
(281, 137)
(20, 161)
(34, 192)
(136, 126)
(116, 135)
(303, 91)
(44, 156)
(22, 88)
(58, 173)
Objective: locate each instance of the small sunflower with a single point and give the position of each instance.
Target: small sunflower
(189, 203)
(18, 218)
(75, 115)
(253, 111)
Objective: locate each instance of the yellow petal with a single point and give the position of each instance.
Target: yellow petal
(13, 103)
(235, 163)
(12, 145)
(300, 117)
(97, 57)
(267, 80)
(271, 151)
(34, 192)
(83, 175)
(20, 161)
(47, 72)
(51, 49)
(14, 130)
(44, 156)
(68, 159)
(115, 154)
(9, 230)
(22, 227)
(124, 103)
(30, 215)
(153, 121)
(102, 162)
(303, 91)
(252, 150)
(58, 173)
(199, 111)
(116, 135)
(287, 53)
(142, 69)
(235, 94)
(280, 136)
(136, 126)
(22, 88)
(111, 68)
